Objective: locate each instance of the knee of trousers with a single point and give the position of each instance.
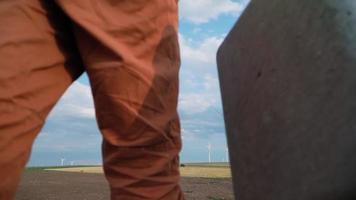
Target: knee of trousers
(149, 172)
(142, 159)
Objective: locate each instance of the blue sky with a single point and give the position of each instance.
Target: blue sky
(71, 131)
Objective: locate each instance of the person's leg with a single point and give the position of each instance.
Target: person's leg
(131, 52)
(34, 72)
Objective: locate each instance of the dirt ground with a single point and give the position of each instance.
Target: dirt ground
(53, 185)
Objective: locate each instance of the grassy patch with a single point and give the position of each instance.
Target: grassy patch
(217, 164)
(81, 169)
(203, 170)
(43, 168)
(215, 198)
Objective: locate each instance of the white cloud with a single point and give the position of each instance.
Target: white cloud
(71, 119)
(195, 103)
(202, 55)
(200, 85)
(211, 83)
(202, 11)
(76, 102)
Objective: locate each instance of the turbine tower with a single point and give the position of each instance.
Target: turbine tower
(209, 151)
(71, 163)
(62, 161)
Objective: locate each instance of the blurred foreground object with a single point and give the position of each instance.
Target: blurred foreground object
(130, 52)
(288, 79)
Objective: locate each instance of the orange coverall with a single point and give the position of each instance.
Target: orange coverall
(130, 51)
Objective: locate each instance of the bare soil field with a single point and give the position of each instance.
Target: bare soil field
(58, 185)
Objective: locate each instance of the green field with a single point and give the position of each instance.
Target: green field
(42, 168)
(204, 164)
(204, 170)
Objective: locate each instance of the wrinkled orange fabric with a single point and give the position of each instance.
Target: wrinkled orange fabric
(130, 51)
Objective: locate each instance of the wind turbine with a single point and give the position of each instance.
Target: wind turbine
(62, 161)
(209, 151)
(227, 154)
(72, 163)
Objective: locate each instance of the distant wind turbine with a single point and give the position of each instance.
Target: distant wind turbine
(62, 161)
(227, 154)
(209, 151)
(72, 163)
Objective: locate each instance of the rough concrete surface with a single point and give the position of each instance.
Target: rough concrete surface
(288, 79)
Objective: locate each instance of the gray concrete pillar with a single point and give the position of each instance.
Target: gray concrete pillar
(288, 80)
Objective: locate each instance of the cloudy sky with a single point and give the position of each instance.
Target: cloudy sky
(71, 131)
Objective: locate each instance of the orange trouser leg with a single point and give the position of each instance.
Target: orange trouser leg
(131, 52)
(34, 72)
